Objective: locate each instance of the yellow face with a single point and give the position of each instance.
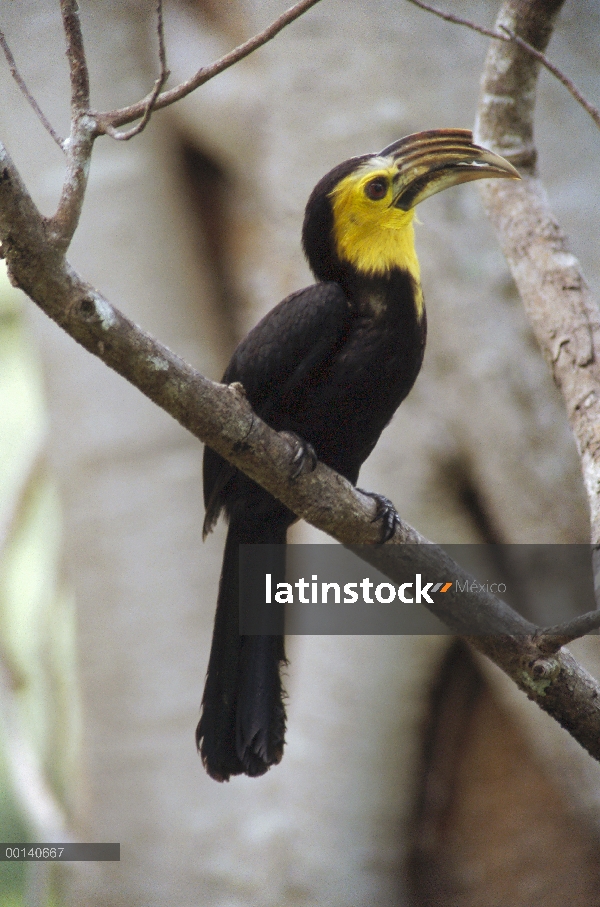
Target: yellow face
(369, 232)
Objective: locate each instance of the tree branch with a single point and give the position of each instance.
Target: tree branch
(78, 70)
(557, 73)
(162, 78)
(551, 639)
(78, 146)
(87, 125)
(221, 417)
(113, 118)
(564, 316)
(29, 97)
(63, 224)
(506, 34)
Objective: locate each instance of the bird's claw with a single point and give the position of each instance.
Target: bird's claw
(304, 458)
(385, 513)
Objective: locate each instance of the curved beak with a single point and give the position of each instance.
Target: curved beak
(428, 162)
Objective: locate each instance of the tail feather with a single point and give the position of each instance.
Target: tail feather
(260, 720)
(242, 728)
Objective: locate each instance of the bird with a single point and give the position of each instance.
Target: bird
(328, 366)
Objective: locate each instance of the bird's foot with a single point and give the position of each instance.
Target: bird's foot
(304, 458)
(385, 513)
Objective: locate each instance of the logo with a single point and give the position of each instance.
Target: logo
(385, 593)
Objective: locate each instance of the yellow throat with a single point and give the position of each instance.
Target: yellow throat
(372, 235)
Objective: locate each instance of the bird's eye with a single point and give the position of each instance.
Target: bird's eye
(376, 189)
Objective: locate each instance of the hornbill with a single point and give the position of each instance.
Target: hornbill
(329, 365)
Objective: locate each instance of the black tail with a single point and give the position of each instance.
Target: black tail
(242, 727)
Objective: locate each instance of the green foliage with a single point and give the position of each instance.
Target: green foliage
(38, 692)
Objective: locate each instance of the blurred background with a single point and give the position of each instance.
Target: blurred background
(414, 774)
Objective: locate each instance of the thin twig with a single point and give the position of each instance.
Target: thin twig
(29, 97)
(550, 639)
(162, 78)
(113, 118)
(458, 20)
(160, 28)
(509, 36)
(557, 73)
(80, 81)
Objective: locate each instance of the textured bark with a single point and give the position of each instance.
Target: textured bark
(557, 299)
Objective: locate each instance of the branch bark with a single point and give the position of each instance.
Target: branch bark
(109, 120)
(78, 69)
(158, 85)
(564, 317)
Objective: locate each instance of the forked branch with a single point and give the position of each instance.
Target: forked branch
(158, 85)
(114, 118)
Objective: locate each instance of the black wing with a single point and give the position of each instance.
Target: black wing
(293, 339)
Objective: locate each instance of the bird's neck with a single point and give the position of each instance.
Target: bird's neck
(395, 296)
(375, 253)
(376, 247)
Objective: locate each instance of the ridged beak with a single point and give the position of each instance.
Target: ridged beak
(429, 162)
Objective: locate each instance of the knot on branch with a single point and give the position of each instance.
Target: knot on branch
(87, 309)
(93, 309)
(544, 669)
(539, 673)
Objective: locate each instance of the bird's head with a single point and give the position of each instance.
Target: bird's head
(359, 216)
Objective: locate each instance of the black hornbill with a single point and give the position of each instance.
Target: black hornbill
(330, 364)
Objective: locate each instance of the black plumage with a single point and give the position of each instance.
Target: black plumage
(331, 363)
